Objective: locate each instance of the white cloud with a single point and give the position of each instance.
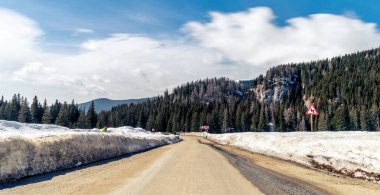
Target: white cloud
(19, 37)
(141, 17)
(138, 66)
(99, 78)
(252, 37)
(239, 45)
(34, 72)
(41, 75)
(83, 31)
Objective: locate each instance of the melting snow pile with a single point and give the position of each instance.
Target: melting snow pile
(356, 154)
(30, 149)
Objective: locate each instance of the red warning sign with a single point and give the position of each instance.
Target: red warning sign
(312, 111)
(206, 127)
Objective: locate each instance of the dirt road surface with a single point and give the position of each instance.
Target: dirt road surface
(193, 166)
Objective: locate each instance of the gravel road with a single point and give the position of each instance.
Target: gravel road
(193, 166)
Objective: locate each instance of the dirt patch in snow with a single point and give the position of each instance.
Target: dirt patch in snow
(358, 173)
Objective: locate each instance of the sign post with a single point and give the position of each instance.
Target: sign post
(311, 111)
(205, 127)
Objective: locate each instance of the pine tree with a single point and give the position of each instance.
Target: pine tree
(46, 117)
(364, 122)
(263, 126)
(322, 121)
(63, 118)
(254, 122)
(102, 120)
(373, 118)
(203, 118)
(195, 122)
(226, 121)
(15, 106)
(288, 118)
(238, 124)
(354, 119)
(82, 120)
(24, 115)
(244, 121)
(34, 110)
(54, 111)
(302, 126)
(4, 110)
(150, 122)
(159, 122)
(2, 101)
(273, 117)
(376, 117)
(214, 123)
(341, 119)
(73, 114)
(140, 120)
(91, 116)
(280, 119)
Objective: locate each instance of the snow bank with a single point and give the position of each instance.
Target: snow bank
(31, 149)
(356, 154)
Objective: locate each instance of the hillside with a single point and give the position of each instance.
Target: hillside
(345, 90)
(105, 104)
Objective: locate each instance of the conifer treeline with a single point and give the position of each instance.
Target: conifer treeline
(346, 91)
(63, 114)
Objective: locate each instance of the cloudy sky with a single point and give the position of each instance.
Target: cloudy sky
(69, 49)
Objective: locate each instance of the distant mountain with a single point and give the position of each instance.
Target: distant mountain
(105, 104)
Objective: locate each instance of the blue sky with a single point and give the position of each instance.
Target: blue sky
(87, 49)
(164, 17)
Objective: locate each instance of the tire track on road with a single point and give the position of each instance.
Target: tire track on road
(266, 180)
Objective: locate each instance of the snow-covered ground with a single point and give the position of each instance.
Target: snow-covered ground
(31, 149)
(356, 154)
